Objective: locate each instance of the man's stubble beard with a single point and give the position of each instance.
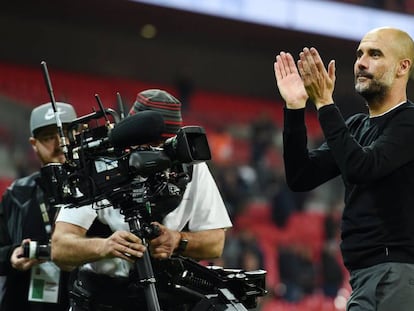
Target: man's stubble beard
(374, 92)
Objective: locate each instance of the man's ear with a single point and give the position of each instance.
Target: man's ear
(405, 66)
(32, 141)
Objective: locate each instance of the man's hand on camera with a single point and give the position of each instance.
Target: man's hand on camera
(123, 244)
(19, 262)
(163, 246)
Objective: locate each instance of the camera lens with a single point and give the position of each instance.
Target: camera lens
(29, 249)
(33, 250)
(43, 251)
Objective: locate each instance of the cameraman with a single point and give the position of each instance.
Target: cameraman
(99, 240)
(25, 217)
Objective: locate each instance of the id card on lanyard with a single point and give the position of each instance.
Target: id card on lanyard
(44, 283)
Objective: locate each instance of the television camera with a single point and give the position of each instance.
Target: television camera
(125, 163)
(110, 162)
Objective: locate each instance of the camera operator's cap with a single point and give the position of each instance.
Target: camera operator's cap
(164, 103)
(44, 115)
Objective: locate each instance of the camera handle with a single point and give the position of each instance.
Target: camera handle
(143, 265)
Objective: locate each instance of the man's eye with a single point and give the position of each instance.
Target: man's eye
(375, 54)
(48, 137)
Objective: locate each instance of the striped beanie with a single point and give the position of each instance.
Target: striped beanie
(164, 103)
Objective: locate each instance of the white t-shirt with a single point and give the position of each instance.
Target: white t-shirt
(201, 207)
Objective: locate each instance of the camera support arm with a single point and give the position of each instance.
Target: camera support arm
(133, 211)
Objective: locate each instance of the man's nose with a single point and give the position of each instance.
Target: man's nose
(362, 62)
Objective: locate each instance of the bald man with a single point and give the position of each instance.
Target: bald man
(373, 152)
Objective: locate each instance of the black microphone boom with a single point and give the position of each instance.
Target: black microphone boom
(142, 128)
(63, 143)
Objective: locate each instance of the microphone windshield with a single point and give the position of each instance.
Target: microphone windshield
(138, 129)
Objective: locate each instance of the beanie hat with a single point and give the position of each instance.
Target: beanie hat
(44, 115)
(164, 103)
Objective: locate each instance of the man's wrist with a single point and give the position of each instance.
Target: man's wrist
(319, 105)
(182, 244)
(296, 105)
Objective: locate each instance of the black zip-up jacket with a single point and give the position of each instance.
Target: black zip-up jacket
(20, 218)
(375, 158)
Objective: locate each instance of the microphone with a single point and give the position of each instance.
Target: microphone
(138, 129)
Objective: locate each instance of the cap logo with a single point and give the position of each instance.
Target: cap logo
(50, 114)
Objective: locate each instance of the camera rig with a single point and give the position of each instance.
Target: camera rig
(109, 158)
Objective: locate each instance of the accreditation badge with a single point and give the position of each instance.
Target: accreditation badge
(44, 283)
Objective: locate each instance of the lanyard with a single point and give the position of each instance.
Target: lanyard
(44, 212)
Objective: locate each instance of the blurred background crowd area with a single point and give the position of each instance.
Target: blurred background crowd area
(222, 71)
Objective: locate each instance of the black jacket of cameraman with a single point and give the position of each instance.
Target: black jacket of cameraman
(20, 217)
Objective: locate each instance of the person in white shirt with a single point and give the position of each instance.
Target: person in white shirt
(195, 228)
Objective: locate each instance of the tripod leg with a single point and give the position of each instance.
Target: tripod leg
(147, 280)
